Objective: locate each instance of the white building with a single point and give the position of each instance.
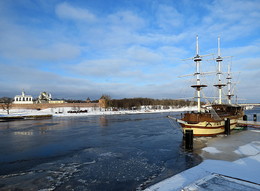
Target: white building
(44, 97)
(23, 99)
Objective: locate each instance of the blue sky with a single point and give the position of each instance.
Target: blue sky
(125, 48)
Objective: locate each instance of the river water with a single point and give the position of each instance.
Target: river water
(117, 152)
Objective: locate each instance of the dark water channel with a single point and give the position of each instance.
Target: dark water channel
(119, 152)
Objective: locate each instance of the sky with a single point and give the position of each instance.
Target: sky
(126, 48)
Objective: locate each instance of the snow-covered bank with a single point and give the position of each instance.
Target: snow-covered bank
(121, 112)
(234, 147)
(244, 169)
(65, 111)
(24, 112)
(245, 146)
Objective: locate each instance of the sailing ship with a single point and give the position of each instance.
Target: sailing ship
(210, 120)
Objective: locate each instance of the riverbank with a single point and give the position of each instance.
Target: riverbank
(74, 112)
(229, 162)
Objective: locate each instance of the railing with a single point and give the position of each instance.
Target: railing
(214, 114)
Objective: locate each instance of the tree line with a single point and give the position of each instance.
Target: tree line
(136, 103)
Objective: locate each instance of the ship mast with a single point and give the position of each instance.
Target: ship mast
(198, 85)
(229, 95)
(219, 85)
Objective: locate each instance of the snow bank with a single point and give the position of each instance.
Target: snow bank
(63, 111)
(211, 150)
(246, 168)
(252, 148)
(122, 112)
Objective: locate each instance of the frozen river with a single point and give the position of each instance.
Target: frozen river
(120, 152)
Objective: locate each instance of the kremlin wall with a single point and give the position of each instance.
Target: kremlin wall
(45, 101)
(54, 105)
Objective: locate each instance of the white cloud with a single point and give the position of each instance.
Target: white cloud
(143, 55)
(53, 52)
(125, 19)
(99, 68)
(66, 11)
(250, 50)
(35, 81)
(168, 18)
(118, 29)
(231, 18)
(235, 10)
(19, 42)
(252, 64)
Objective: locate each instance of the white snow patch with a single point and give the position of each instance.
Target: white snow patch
(211, 150)
(180, 180)
(108, 154)
(244, 169)
(217, 182)
(63, 111)
(250, 149)
(256, 131)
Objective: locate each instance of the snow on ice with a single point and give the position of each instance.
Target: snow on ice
(211, 150)
(243, 174)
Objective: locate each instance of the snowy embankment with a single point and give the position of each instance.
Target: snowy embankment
(244, 169)
(65, 111)
(242, 173)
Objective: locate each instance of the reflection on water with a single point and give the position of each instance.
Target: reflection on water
(23, 133)
(121, 152)
(103, 121)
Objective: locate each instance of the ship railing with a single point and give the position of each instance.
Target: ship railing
(214, 114)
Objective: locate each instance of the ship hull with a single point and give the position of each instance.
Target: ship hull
(208, 128)
(212, 121)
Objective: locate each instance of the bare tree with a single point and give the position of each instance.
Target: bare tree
(106, 97)
(6, 103)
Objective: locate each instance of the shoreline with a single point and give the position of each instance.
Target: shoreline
(63, 112)
(236, 156)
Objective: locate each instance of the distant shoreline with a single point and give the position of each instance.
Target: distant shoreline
(66, 112)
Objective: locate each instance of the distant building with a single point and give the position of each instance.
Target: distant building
(88, 100)
(102, 102)
(44, 97)
(56, 101)
(23, 99)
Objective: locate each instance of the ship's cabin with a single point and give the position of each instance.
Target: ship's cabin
(227, 109)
